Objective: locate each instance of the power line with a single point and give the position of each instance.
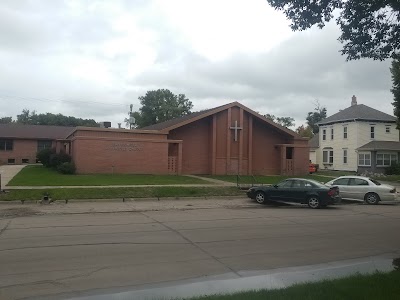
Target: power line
(20, 98)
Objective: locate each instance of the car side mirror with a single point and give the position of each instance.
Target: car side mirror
(275, 185)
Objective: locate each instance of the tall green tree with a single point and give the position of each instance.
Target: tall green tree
(32, 118)
(305, 131)
(395, 70)
(161, 105)
(6, 120)
(283, 121)
(26, 117)
(369, 28)
(316, 116)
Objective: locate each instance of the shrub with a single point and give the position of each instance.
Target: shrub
(45, 155)
(394, 169)
(57, 159)
(66, 168)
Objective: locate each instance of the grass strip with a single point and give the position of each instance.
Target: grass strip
(112, 193)
(41, 176)
(374, 286)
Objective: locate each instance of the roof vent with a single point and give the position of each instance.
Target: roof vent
(105, 124)
(353, 100)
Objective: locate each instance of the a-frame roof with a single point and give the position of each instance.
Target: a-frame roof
(181, 121)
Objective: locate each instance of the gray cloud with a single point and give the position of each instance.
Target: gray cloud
(41, 42)
(287, 80)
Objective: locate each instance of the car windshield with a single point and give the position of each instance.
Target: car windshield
(375, 181)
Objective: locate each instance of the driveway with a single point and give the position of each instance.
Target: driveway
(58, 255)
(7, 172)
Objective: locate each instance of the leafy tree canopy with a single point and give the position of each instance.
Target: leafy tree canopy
(32, 118)
(395, 70)
(283, 121)
(370, 29)
(305, 131)
(161, 105)
(316, 116)
(6, 120)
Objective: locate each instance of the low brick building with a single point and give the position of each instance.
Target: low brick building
(230, 139)
(20, 143)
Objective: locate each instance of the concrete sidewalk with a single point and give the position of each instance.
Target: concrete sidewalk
(114, 186)
(7, 172)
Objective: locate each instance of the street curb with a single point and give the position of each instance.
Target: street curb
(122, 200)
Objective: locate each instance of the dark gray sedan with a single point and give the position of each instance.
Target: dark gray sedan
(296, 190)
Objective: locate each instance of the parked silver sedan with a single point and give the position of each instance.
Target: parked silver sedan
(363, 188)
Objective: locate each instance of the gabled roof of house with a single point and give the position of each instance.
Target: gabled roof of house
(359, 112)
(21, 131)
(314, 141)
(181, 121)
(380, 146)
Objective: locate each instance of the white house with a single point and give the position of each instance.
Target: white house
(343, 136)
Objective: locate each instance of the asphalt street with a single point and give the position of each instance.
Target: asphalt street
(61, 255)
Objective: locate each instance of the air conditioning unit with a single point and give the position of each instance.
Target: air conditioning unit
(105, 124)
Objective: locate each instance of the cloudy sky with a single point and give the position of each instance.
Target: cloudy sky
(91, 59)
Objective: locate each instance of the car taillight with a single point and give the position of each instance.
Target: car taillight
(393, 191)
(331, 192)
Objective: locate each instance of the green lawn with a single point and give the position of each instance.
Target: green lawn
(41, 176)
(388, 178)
(112, 193)
(334, 173)
(264, 179)
(365, 287)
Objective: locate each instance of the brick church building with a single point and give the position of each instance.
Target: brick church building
(230, 139)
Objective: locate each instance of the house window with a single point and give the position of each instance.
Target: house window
(331, 133)
(386, 159)
(11, 161)
(327, 156)
(324, 134)
(345, 156)
(345, 132)
(25, 161)
(6, 145)
(45, 144)
(364, 159)
(372, 133)
(387, 129)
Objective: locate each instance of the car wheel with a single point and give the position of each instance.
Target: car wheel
(371, 198)
(313, 202)
(260, 197)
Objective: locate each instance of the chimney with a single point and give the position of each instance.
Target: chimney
(353, 100)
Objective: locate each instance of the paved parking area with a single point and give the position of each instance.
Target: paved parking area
(59, 254)
(7, 172)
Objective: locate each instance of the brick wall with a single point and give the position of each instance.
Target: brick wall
(22, 149)
(108, 155)
(301, 158)
(266, 157)
(196, 155)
